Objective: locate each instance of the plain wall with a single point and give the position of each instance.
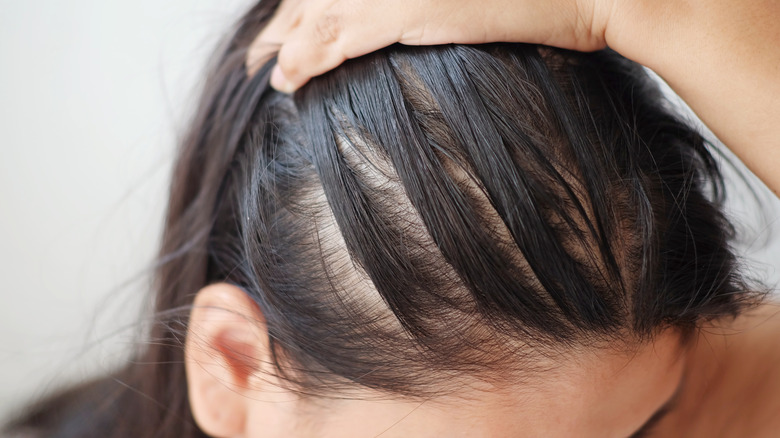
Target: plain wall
(92, 94)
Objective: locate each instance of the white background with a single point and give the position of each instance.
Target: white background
(92, 95)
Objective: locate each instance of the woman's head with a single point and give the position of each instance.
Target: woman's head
(443, 223)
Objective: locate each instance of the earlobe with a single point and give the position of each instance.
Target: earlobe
(225, 347)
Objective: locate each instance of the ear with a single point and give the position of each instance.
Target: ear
(226, 345)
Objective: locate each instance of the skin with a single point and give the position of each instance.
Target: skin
(724, 383)
(735, 380)
(595, 393)
(720, 56)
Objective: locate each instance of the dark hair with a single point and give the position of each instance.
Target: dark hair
(422, 213)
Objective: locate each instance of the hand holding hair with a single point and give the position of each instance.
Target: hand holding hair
(721, 56)
(495, 240)
(316, 36)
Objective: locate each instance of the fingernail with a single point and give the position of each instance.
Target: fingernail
(279, 81)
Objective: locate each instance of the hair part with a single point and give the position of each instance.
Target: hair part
(424, 213)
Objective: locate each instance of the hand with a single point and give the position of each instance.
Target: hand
(315, 36)
(720, 56)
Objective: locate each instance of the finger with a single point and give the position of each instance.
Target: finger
(331, 31)
(258, 54)
(286, 18)
(326, 39)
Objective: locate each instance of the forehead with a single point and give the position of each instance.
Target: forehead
(598, 393)
(631, 381)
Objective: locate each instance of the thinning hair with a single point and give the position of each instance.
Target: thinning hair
(424, 213)
(429, 211)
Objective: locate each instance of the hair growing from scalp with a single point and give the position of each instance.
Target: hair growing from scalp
(424, 213)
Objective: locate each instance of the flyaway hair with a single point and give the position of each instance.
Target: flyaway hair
(422, 214)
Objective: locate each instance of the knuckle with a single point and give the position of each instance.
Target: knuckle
(327, 29)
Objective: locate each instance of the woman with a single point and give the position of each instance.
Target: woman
(503, 240)
(721, 58)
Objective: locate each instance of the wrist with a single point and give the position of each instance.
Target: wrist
(647, 31)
